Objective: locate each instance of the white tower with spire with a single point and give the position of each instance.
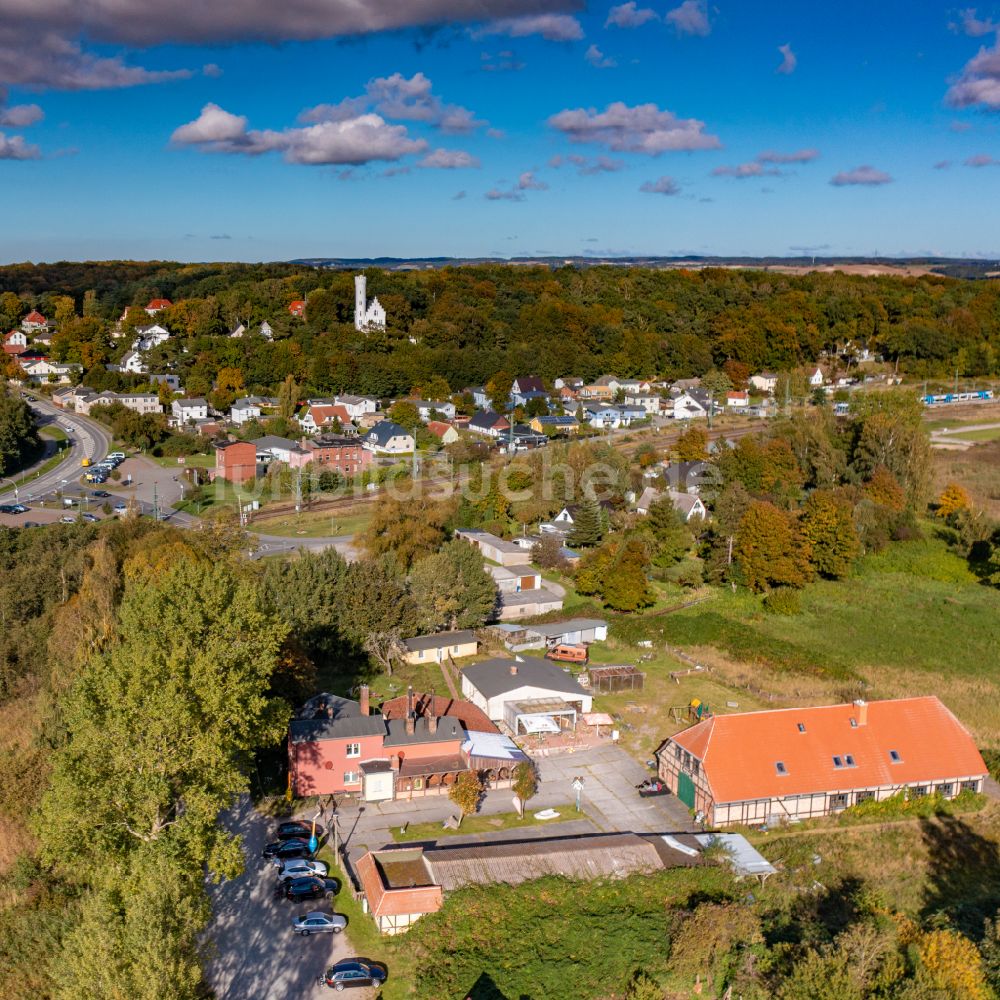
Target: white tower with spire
(367, 315)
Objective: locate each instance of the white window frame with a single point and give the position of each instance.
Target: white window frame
(352, 778)
(353, 750)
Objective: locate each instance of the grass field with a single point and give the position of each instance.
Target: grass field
(319, 525)
(53, 432)
(977, 469)
(985, 434)
(190, 461)
(480, 824)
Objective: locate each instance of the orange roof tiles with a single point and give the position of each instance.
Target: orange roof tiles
(739, 752)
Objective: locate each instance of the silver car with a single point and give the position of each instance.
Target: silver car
(319, 922)
(300, 867)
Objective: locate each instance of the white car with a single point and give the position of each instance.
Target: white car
(319, 922)
(299, 868)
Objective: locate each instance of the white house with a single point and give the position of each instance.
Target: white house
(43, 370)
(689, 505)
(356, 406)
(265, 331)
(738, 400)
(34, 322)
(535, 694)
(140, 402)
(691, 404)
(244, 410)
(489, 423)
(816, 378)
(238, 331)
(132, 363)
(426, 407)
(16, 340)
(602, 417)
(185, 411)
(492, 547)
(764, 382)
(367, 315)
(149, 336)
(388, 438)
(649, 403)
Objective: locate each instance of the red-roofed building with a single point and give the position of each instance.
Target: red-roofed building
(34, 321)
(473, 718)
(798, 763)
(15, 342)
(156, 305)
(322, 416)
(398, 887)
(297, 308)
(442, 430)
(738, 400)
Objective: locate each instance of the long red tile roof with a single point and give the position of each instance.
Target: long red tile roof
(740, 752)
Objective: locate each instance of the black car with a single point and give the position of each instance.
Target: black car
(103, 494)
(298, 829)
(354, 972)
(309, 887)
(283, 850)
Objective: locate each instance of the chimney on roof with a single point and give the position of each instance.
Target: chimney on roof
(411, 725)
(432, 723)
(363, 700)
(513, 670)
(409, 701)
(862, 706)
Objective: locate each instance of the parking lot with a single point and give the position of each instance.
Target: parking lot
(256, 954)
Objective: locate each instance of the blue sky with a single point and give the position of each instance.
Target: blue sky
(261, 131)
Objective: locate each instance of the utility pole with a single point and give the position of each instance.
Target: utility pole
(156, 503)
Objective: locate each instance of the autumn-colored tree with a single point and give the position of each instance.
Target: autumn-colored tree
(466, 792)
(953, 499)
(692, 445)
(498, 391)
(525, 783)
(953, 964)
(769, 549)
(827, 526)
(405, 414)
(407, 527)
(737, 372)
(883, 488)
(626, 587)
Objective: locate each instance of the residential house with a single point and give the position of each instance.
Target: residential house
(492, 547)
(271, 448)
(480, 399)
(388, 438)
(357, 406)
(689, 505)
(172, 381)
(185, 411)
(691, 404)
(297, 308)
(816, 378)
(489, 423)
(65, 399)
(244, 410)
(238, 331)
(343, 455)
(528, 694)
(602, 416)
(566, 518)
(265, 331)
(43, 371)
(570, 382)
(566, 396)
(596, 391)
(692, 477)
(445, 432)
(139, 402)
(738, 400)
(428, 407)
(440, 646)
(798, 763)
(132, 363)
(148, 337)
(317, 418)
(523, 437)
(526, 384)
(34, 322)
(236, 461)
(521, 594)
(85, 401)
(155, 306)
(764, 382)
(555, 424)
(647, 401)
(15, 342)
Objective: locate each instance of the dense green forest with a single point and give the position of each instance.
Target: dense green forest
(469, 323)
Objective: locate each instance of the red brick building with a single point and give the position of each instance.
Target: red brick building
(338, 454)
(236, 461)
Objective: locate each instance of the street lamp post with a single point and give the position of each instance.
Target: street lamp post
(17, 499)
(578, 788)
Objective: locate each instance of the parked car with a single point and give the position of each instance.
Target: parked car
(568, 653)
(651, 787)
(70, 501)
(13, 508)
(299, 867)
(101, 494)
(119, 456)
(311, 887)
(119, 509)
(319, 922)
(354, 972)
(67, 519)
(298, 829)
(90, 518)
(285, 849)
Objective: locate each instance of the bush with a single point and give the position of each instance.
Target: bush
(685, 574)
(783, 601)
(906, 528)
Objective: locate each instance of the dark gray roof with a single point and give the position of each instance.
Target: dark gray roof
(486, 419)
(572, 625)
(384, 431)
(493, 677)
(273, 441)
(448, 728)
(439, 640)
(323, 728)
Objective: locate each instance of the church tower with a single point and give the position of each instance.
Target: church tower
(360, 301)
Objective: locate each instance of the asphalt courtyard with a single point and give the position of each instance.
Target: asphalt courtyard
(255, 953)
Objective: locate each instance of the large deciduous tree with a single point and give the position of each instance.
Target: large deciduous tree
(452, 589)
(19, 441)
(827, 526)
(769, 549)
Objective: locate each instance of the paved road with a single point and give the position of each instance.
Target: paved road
(256, 953)
(88, 439)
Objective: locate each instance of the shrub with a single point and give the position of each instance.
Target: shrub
(686, 574)
(783, 601)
